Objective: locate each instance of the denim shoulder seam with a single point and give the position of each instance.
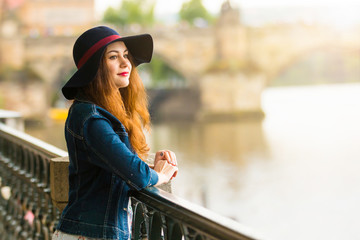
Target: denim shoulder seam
(94, 113)
(74, 134)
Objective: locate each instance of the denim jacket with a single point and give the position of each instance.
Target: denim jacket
(103, 168)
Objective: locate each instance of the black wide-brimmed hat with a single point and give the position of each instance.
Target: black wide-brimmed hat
(88, 51)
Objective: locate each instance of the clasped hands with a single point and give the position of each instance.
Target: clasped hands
(165, 165)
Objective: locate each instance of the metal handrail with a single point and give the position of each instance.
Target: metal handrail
(33, 142)
(195, 222)
(11, 118)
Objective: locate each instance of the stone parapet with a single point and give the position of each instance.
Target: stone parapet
(59, 181)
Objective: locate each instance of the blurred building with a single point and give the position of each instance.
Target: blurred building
(36, 39)
(24, 19)
(56, 17)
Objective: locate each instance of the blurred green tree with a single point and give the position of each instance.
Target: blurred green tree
(161, 74)
(142, 12)
(195, 13)
(131, 12)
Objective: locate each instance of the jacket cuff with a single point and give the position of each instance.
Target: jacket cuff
(154, 178)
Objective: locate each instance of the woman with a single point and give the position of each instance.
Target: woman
(104, 135)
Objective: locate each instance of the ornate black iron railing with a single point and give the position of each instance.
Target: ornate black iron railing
(27, 210)
(161, 215)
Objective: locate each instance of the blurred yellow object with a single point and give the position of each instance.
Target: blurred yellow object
(58, 113)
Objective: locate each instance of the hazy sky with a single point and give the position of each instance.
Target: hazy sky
(341, 14)
(172, 6)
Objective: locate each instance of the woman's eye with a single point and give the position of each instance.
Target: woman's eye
(126, 56)
(113, 57)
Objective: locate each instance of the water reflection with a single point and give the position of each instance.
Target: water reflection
(51, 132)
(296, 172)
(205, 143)
(212, 159)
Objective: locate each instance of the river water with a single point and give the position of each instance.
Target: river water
(294, 175)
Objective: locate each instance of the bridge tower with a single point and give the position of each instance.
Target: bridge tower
(230, 34)
(11, 43)
(232, 87)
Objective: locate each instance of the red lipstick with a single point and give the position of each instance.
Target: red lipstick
(124, 74)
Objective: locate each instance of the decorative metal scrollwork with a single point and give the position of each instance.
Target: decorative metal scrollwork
(151, 224)
(166, 217)
(26, 209)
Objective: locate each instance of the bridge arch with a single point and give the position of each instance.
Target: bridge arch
(326, 57)
(162, 73)
(65, 70)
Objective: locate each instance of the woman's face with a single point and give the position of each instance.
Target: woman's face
(118, 63)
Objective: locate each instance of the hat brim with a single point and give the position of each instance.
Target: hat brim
(139, 46)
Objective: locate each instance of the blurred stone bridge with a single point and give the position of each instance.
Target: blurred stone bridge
(226, 66)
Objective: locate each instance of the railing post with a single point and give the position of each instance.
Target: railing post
(59, 183)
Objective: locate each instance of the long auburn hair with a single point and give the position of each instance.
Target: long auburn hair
(128, 104)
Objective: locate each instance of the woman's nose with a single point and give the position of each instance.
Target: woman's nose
(123, 62)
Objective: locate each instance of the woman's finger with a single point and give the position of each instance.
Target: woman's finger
(159, 155)
(173, 158)
(168, 157)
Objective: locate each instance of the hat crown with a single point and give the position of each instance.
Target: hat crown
(88, 39)
(88, 50)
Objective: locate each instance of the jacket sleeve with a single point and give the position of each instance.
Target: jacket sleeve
(114, 156)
